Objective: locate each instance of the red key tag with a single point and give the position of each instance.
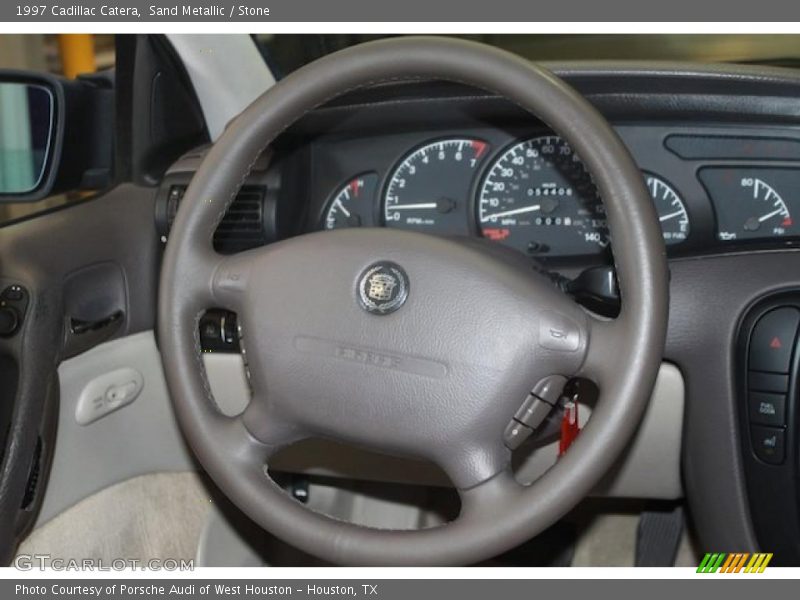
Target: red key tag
(569, 427)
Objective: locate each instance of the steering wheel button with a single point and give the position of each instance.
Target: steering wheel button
(550, 388)
(515, 434)
(557, 332)
(533, 411)
(772, 340)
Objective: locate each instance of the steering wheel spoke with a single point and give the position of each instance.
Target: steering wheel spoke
(470, 464)
(499, 490)
(602, 350)
(229, 278)
(269, 428)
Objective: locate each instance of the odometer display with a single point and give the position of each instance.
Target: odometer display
(539, 198)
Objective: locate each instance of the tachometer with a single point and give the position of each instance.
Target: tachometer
(672, 213)
(538, 197)
(352, 205)
(429, 188)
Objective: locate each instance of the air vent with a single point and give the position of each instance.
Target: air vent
(241, 228)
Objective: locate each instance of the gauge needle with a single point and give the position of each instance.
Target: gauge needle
(508, 213)
(770, 215)
(677, 213)
(412, 206)
(343, 209)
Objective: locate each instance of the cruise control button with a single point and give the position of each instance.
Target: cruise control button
(768, 444)
(772, 340)
(533, 411)
(767, 409)
(515, 434)
(549, 389)
(767, 382)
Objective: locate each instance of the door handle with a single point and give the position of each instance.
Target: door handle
(81, 334)
(81, 327)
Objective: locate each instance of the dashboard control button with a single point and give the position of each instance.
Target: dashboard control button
(13, 304)
(515, 434)
(13, 293)
(107, 393)
(772, 340)
(9, 321)
(219, 331)
(119, 394)
(767, 409)
(767, 382)
(768, 444)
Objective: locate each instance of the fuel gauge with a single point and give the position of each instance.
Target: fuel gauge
(353, 204)
(753, 203)
(672, 213)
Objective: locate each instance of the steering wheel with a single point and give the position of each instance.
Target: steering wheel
(406, 343)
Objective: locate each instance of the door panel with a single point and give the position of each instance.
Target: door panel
(40, 255)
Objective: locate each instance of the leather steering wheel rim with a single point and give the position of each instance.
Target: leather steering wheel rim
(623, 356)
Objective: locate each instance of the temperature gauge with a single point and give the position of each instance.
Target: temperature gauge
(352, 205)
(752, 203)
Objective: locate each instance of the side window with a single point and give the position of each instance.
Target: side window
(65, 55)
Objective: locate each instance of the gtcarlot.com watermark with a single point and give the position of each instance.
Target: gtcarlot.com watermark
(32, 562)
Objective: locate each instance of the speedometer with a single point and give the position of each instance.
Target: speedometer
(429, 189)
(538, 197)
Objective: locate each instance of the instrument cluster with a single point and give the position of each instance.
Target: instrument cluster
(533, 193)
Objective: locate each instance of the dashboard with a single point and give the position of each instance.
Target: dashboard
(715, 189)
(446, 160)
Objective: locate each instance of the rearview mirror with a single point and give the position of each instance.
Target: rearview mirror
(26, 132)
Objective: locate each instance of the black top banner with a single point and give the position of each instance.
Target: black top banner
(445, 11)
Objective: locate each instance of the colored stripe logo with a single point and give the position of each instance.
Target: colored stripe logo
(737, 562)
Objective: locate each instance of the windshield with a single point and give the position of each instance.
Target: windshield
(285, 53)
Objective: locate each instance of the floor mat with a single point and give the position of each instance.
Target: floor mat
(163, 516)
(609, 540)
(156, 516)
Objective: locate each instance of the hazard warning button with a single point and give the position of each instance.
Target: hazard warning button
(772, 341)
